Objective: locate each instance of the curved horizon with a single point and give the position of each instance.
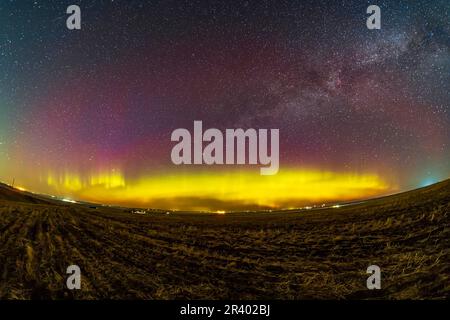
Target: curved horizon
(310, 206)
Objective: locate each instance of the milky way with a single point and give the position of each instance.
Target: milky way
(88, 113)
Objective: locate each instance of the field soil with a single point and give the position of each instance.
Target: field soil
(304, 254)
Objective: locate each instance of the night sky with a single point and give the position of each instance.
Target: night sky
(87, 114)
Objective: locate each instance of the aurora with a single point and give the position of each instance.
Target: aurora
(88, 114)
(222, 189)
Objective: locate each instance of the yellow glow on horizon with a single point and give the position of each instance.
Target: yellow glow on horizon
(221, 190)
(108, 179)
(68, 181)
(73, 182)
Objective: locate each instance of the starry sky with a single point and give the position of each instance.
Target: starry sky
(87, 114)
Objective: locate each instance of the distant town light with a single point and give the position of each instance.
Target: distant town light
(69, 200)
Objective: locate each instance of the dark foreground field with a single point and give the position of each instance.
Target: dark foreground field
(296, 255)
